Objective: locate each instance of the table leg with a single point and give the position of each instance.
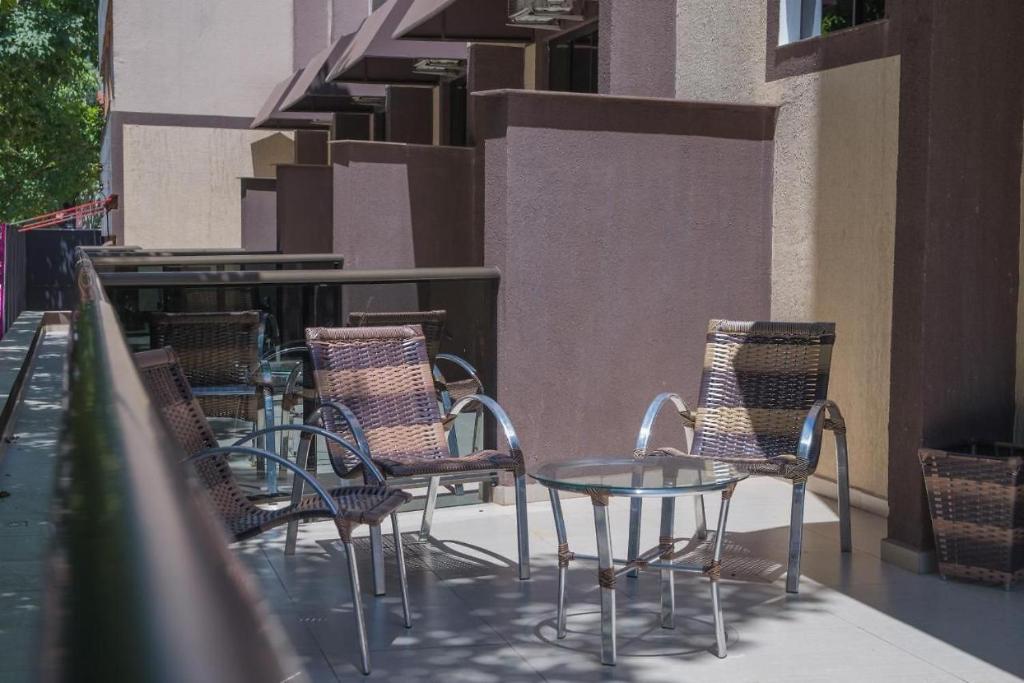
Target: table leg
(714, 573)
(563, 558)
(605, 577)
(668, 584)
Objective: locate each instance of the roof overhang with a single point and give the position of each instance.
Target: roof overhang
(375, 56)
(312, 92)
(271, 115)
(461, 20)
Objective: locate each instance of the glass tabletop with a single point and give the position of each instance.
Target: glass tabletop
(650, 476)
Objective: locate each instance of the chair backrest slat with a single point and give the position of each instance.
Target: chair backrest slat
(430, 322)
(168, 388)
(383, 376)
(760, 379)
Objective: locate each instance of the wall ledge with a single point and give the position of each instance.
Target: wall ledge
(346, 151)
(497, 110)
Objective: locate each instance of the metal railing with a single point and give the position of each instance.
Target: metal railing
(225, 261)
(145, 587)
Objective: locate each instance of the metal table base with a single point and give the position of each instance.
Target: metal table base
(658, 557)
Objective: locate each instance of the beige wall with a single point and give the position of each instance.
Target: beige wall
(181, 184)
(834, 204)
(200, 57)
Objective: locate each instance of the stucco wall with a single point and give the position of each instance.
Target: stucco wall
(617, 242)
(181, 184)
(212, 58)
(635, 51)
(833, 209)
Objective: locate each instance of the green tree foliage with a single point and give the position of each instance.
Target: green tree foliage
(50, 123)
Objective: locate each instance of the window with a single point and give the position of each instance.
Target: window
(572, 61)
(800, 19)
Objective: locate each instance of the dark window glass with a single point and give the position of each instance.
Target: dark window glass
(839, 14)
(573, 62)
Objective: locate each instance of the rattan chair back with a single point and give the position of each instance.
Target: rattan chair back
(382, 374)
(168, 388)
(431, 322)
(215, 350)
(759, 381)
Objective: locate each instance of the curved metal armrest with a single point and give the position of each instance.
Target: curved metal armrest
(283, 462)
(823, 415)
(459, 362)
(285, 350)
(499, 414)
(364, 457)
(357, 433)
(654, 409)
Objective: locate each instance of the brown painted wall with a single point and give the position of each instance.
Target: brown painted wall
(398, 206)
(259, 214)
(620, 226)
(637, 47)
(410, 115)
(957, 238)
(311, 147)
(304, 209)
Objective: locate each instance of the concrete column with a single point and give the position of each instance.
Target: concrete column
(637, 48)
(352, 126)
(494, 67)
(259, 214)
(958, 227)
(305, 209)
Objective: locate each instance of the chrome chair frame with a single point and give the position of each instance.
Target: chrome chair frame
(353, 568)
(823, 415)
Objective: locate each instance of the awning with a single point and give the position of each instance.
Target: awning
(461, 20)
(271, 116)
(374, 56)
(313, 92)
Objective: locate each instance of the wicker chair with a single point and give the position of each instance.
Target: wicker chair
(223, 358)
(762, 407)
(348, 506)
(448, 391)
(381, 375)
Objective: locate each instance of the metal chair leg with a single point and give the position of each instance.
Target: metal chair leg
(843, 483)
(307, 446)
(668, 584)
(522, 528)
(268, 420)
(357, 606)
(636, 506)
(402, 580)
(716, 600)
(377, 561)
(606, 580)
(428, 509)
(563, 561)
(702, 518)
(796, 536)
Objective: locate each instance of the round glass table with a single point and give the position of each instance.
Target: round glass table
(651, 476)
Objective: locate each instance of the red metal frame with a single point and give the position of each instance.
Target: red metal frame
(96, 207)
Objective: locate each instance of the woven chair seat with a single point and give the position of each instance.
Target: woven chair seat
(356, 505)
(396, 466)
(787, 466)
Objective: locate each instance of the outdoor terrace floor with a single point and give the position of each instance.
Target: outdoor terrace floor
(856, 618)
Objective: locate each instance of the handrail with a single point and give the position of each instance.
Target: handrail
(233, 259)
(145, 587)
(295, 277)
(100, 250)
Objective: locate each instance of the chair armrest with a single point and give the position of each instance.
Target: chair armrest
(319, 431)
(653, 410)
(823, 415)
(362, 444)
(284, 462)
(492, 406)
(459, 362)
